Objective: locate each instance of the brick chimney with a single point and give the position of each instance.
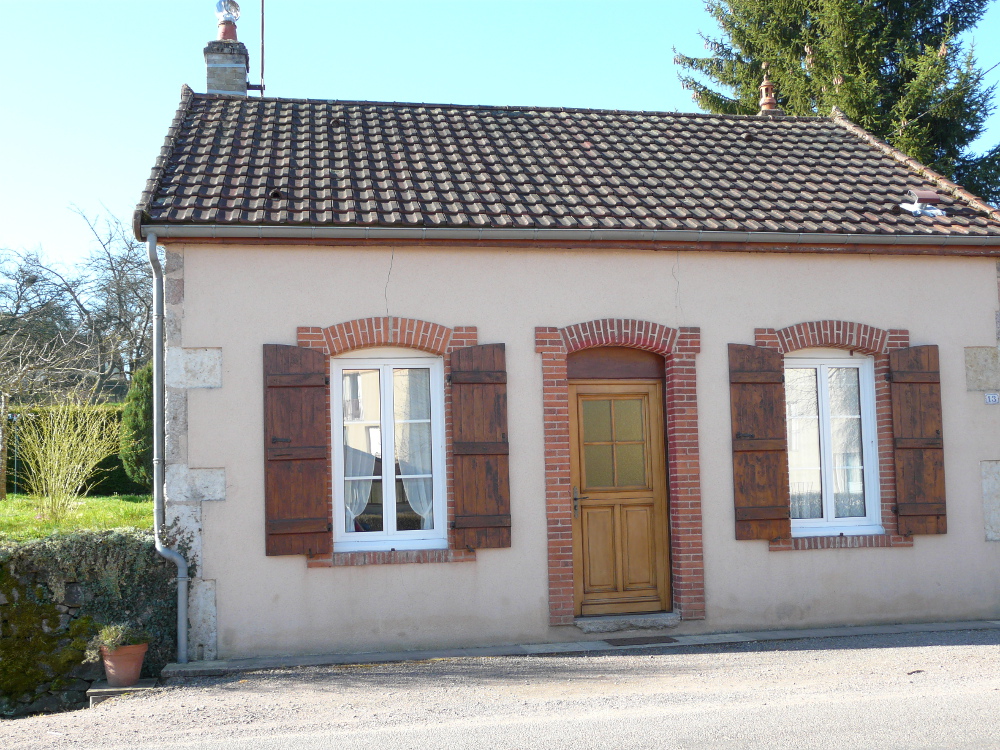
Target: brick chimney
(226, 58)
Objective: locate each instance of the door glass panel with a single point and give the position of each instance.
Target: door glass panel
(628, 420)
(630, 465)
(363, 505)
(596, 421)
(802, 413)
(598, 465)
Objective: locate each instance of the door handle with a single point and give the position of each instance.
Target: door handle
(577, 497)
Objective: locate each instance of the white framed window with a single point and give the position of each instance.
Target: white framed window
(832, 447)
(388, 448)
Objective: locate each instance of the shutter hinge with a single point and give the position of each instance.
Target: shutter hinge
(451, 525)
(329, 526)
(326, 380)
(888, 375)
(448, 379)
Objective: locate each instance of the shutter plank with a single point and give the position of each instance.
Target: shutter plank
(760, 452)
(296, 474)
(480, 447)
(916, 427)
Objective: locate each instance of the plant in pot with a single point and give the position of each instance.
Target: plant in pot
(122, 648)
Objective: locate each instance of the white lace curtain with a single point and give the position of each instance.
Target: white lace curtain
(357, 464)
(419, 494)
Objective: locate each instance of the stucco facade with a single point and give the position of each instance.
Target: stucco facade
(225, 301)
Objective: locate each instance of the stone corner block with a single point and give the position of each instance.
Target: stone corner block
(990, 474)
(202, 627)
(193, 368)
(186, 485)
(982, 368)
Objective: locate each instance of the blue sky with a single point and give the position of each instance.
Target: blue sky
(91, 86)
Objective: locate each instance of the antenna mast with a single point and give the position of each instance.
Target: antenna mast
(262, 47)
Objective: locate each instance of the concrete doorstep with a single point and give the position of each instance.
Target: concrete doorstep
(100, 691)
(236, 666)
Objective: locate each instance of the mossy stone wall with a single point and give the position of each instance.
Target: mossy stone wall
(55, 594)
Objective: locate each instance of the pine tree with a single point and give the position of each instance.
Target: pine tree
(136, 437)
(892, 66)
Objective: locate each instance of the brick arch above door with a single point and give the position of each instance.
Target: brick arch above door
(678, 347)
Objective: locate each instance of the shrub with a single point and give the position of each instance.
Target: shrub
(137, 429)
(61, 448)
(110, 477)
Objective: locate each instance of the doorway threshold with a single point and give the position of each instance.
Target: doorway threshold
(619, 623)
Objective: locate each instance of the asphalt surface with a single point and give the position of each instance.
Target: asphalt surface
(912, 690)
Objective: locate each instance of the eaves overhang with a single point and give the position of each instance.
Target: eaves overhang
(987, 244)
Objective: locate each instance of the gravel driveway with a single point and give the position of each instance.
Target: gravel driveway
(917, 690)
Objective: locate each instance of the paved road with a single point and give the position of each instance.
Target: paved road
(917, 690)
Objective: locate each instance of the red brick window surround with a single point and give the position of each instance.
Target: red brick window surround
(877, 342)
(409, 333)
(678, 347)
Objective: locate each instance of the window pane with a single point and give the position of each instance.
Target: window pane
(413, 448)
(411, 393)
(363, 505)
(630, 462)
(802, 413)
(414, 504)
(844, 391)
(628, 419)
(597, 422)
(806, 493)
(597, 462)
(845, 441)
(362, 400)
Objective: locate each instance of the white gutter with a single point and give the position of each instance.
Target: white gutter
(158, 453)
(260, 231)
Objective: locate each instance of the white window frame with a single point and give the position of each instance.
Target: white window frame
(829, 525)
(389, 539)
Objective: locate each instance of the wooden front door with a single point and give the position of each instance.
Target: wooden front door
(620, 553)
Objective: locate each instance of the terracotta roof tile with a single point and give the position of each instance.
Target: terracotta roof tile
(386, 164)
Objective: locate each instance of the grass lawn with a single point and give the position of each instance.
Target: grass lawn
(19, 519)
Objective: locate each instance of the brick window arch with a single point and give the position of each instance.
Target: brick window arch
(678, 347)
(878, 343)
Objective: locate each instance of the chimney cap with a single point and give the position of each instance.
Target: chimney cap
(228, 13)
(768, 101)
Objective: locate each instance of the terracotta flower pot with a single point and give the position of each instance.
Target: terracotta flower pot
(123, 665)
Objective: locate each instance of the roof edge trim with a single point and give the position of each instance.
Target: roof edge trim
(913, 165)
(156, 173)
(220, 231)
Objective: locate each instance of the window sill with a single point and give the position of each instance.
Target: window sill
(391, 557)
(867, 529)
(397, 544)
(855, 541)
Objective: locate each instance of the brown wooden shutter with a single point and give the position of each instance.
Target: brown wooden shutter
(480, 448)
(296, 469)
(916, 432)
(760, 445)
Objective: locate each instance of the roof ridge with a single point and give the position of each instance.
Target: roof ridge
(513, 108)
(156, 173)
(921, 170)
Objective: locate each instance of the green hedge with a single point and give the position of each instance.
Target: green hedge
(111, 479)
(55, 593)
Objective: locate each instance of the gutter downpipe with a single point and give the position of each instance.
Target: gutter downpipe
(158, 453)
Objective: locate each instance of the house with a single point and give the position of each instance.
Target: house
(464, 375)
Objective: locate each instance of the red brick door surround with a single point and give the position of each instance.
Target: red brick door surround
(678, 347)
